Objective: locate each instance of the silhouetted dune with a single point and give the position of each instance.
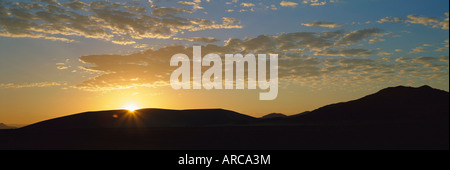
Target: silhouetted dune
(274, 116)
(390, 105)
(145, 118)
(393, 118)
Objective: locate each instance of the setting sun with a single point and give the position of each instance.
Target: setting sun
(131, 107)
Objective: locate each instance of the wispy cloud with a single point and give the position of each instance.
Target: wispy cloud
(417, 50)
(323, 24)
(307, 58)
(288, 4)
(252, 6)
(359, 35)
(318, 2)
(247, 4)
(199, 39)
(31, 85)
(422, 20)
(120, 23)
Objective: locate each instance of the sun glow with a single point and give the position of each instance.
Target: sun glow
(131, 107)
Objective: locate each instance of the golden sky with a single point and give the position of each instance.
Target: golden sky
(60, 57)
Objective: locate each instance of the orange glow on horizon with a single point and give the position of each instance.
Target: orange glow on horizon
(131, 107)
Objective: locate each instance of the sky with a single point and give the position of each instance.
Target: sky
(61, 57)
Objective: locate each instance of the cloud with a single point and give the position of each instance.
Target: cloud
(376, 39)
(76, 5)
(346, 52)
(384, 53)
(443, 24)
(199, 39)
(288, 4)
(417, 50)
(195, 5)
(205, 24)
(186, 3)
(401, 60)
(150, 68)
(62, 67)
(298, 41)
(246, 4)
(120, 23)
(415, 19)
(390, 20)
(444, 47)
(358, 35)
(123, 41)
(304, 56)
(318, 2)
(327, 43)
(31, 85)
(251, 6)
(438, 64)
(323, 24)
(443, 58)
(433, 62)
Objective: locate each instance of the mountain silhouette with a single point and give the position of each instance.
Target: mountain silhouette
(3, 126)
(145, 118)
(393, 118)
(274, 116)
(390, 105)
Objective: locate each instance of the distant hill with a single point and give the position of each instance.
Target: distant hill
(3, 126)
(274, 116)
(390, 105)
(145, 118)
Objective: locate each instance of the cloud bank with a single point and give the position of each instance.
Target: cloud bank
(120, 23)
(306, 58)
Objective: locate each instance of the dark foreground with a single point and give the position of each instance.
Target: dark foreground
(393, 118)
(234, 138)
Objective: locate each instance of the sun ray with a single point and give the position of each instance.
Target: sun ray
(131, 107)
